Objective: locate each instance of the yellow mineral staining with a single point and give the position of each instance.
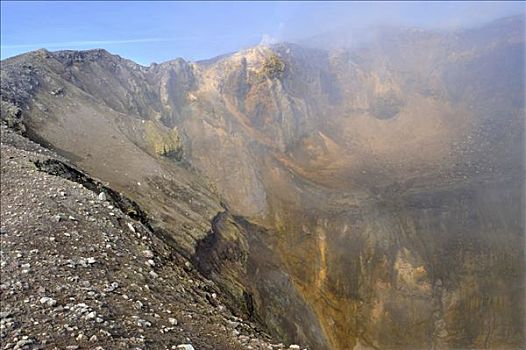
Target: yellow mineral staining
(273, 67)
(163, 140)
(322, 246)
(336, 313)
(411, 277)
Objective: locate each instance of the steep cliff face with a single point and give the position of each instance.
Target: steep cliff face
(431, 267)
(375, 193)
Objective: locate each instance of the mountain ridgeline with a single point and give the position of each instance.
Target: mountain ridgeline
(365, 198)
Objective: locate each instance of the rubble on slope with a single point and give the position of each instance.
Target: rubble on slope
(77, 272)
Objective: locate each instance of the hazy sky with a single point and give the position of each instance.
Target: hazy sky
(158, 31)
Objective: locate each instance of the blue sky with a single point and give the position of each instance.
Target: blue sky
(159, 31)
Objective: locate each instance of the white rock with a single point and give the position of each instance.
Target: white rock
(130, 226)
(185, 347)
(48, 301)
(148, 254)
(102, 196)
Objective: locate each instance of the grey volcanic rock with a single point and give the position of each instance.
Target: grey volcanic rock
(67, 305)
(371, 192)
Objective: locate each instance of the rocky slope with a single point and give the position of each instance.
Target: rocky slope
(80, 273)
(371, 192)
